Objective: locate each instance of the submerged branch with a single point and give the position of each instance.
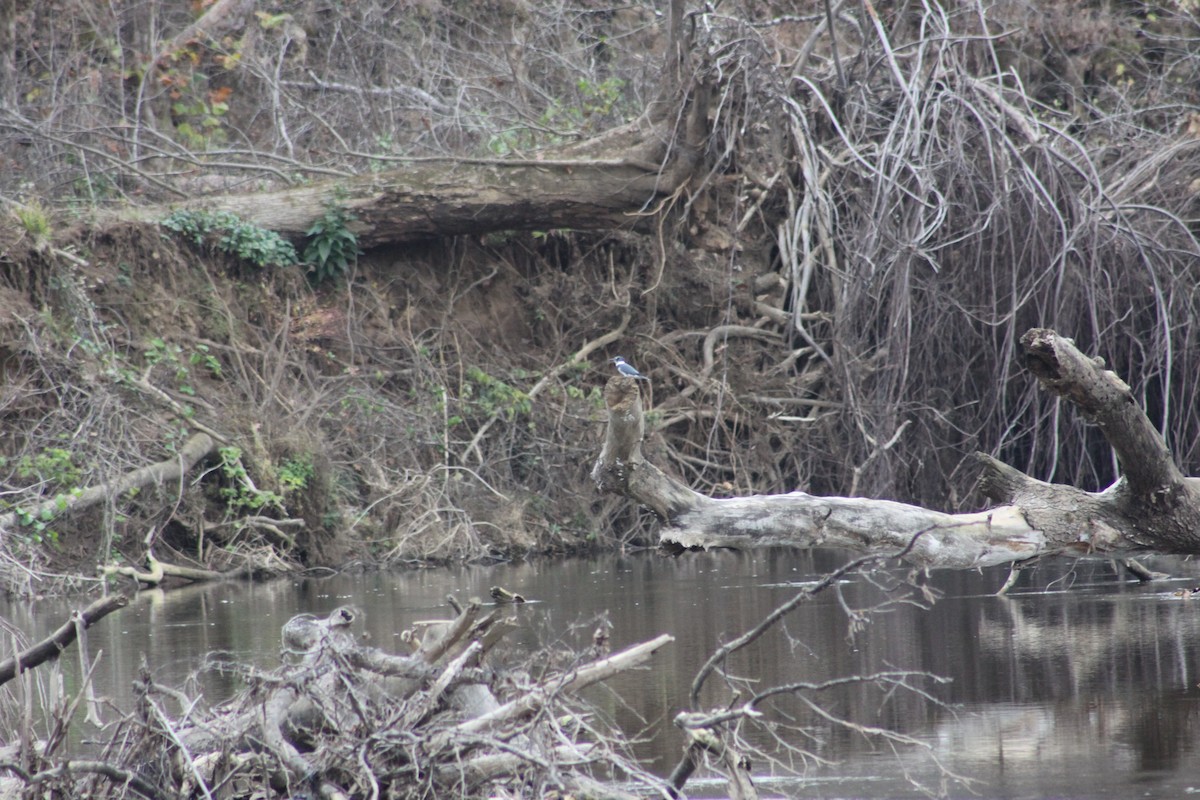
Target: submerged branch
(52, 646)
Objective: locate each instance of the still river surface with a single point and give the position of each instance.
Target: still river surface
(1078, 684)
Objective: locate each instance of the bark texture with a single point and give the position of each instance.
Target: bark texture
(610, 181)
(1153, 507)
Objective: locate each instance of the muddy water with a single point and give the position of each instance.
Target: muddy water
(1079, 684)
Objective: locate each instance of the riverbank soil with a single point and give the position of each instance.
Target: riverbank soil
(380, 263)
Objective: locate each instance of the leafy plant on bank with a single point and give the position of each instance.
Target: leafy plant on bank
(242, 493)
(159, 351)
(53, 467)
(332, 247)
(35, 219)
(228, 233)
(296, 473)
(494, 396)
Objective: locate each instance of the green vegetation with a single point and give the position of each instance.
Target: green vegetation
(37, 526)
(494, 396)
(53, 466)
(596, 103)
(200, 118)
(159, 351)
(34, 218)
(228, 233)
(241, 493)
(296, 473)
(202, 357)
(332, 246)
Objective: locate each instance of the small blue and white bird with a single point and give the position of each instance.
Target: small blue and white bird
(627, 369)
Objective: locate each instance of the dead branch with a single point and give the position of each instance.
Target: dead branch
(158, 571)
(332, 707)
(581, 678)
(1107, 401)
(166, 471)
(1153, 507)
(53, 645)
(65, 769)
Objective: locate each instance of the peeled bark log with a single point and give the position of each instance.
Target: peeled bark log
(1153, 507)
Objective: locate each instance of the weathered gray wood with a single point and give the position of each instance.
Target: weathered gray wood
(1154, 507)
(1107, 401)
(621, 467)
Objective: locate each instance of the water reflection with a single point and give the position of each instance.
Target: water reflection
(1086, 690)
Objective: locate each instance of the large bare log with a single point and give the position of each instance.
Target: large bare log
(693, 520)
(601, 183)
(1153, 507)
(425, 201)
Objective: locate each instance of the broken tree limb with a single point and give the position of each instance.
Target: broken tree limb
(168, 470)
(532, 701)
(1153, 507)
(53, 645)
(1107, 401)
(157, 571)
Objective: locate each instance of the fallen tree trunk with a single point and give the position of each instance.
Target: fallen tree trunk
(465, 196)
(1153, 507)
(171, 469)
(601, 183)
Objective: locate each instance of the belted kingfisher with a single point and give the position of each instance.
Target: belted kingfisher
(627, 369)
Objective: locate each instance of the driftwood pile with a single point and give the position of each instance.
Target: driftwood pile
(340, 719)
